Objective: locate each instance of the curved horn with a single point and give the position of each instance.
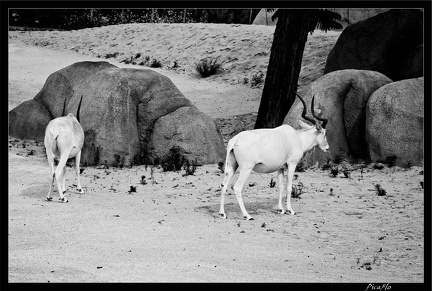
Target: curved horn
(324, 120)
(79, 107)
(304, 111)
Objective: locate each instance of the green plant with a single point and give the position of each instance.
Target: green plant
(379, 190)
(155, 63)
(297, 190)
(338, 158)
(111, 55)
(327, 165)
(334, 171)
(390, 160)
(208, 67)
(272, 183)
(132, 189)
(300, 167)
(174, 160)
(189, 168)
(118, 161)
(257, 78)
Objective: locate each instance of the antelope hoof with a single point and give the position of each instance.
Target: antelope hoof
(64, 199)
(81, 191)
(291, 212)
(222, 215)
(248, 217)
(281, 211)
(48, 198)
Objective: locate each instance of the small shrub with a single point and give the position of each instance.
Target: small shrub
(300, 167)
(173, 161)
(257, 78)
(207, 67)
(297, 190)
(390, 160)
(111, 55)
(175, 65)
(132, 189)
(272, 183)
(245, 80)
(327, 165)
(338, 158)
(334, 171)
(379, 190)
(421, 184)
(408, 165)
(189, 168)
(143, 181)
(155, 64)
(147, 58)
(118, 161)
(137, 55)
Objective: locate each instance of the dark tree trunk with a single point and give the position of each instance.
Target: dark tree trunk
(284, 66)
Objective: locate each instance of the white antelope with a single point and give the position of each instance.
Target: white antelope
(270, 150)
(64, 138)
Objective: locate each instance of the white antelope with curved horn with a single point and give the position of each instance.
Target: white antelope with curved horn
(64, 138)
(270, 150)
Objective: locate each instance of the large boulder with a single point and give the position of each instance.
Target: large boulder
(388, 43)
(187, 128)
(341, 97)
(19, 117)
(394, 122)
(120, 110)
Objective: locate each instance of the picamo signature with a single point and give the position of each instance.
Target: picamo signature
(378, 287)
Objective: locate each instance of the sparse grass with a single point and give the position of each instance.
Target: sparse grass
(208, 67)
(132, 189)
(379, 190)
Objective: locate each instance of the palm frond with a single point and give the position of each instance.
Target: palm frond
(327, 20)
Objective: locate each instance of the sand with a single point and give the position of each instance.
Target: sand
(169, 229)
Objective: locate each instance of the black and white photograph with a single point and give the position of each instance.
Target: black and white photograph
(243, 145)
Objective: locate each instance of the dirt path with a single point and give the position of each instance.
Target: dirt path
(168, 231)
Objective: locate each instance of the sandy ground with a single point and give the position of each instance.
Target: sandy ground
(169, 229)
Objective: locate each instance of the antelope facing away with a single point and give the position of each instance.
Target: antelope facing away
(269, 150)
(64, 138)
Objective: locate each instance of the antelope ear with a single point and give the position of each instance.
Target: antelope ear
(305, 125)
